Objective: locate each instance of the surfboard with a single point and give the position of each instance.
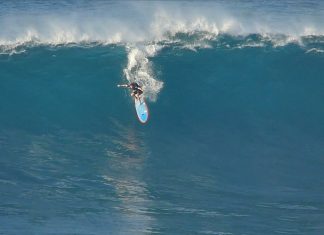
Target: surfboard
(141, 110)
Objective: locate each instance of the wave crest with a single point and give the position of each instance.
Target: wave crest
(143, 22)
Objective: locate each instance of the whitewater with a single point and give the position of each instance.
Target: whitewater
(234, 144)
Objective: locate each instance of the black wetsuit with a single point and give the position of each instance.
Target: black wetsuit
(136, 88)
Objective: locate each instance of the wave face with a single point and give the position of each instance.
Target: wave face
(235, 140)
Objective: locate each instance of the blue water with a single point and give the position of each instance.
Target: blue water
(235, 139)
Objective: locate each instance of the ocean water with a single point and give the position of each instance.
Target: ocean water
(235, 140)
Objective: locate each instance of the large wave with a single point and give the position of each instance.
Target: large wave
(144, 28)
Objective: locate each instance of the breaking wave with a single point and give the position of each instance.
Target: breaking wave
(146, 28)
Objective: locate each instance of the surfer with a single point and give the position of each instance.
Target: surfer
(137, 90)
(140, 105)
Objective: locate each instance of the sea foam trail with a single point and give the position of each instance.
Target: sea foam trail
(139, 69)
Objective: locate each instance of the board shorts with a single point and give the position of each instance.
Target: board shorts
(137, 92)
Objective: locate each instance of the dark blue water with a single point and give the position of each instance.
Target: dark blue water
(234, 144)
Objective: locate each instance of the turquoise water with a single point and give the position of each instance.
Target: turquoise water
(234, 143)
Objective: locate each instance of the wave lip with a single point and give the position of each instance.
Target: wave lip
(143, 22)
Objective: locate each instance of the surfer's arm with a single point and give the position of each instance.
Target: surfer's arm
(123, 85)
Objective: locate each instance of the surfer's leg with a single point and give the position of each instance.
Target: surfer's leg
(135, 93)
(139, 94)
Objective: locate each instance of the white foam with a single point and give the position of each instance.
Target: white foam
(139, 69)
(314, 50)
(129, 22)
